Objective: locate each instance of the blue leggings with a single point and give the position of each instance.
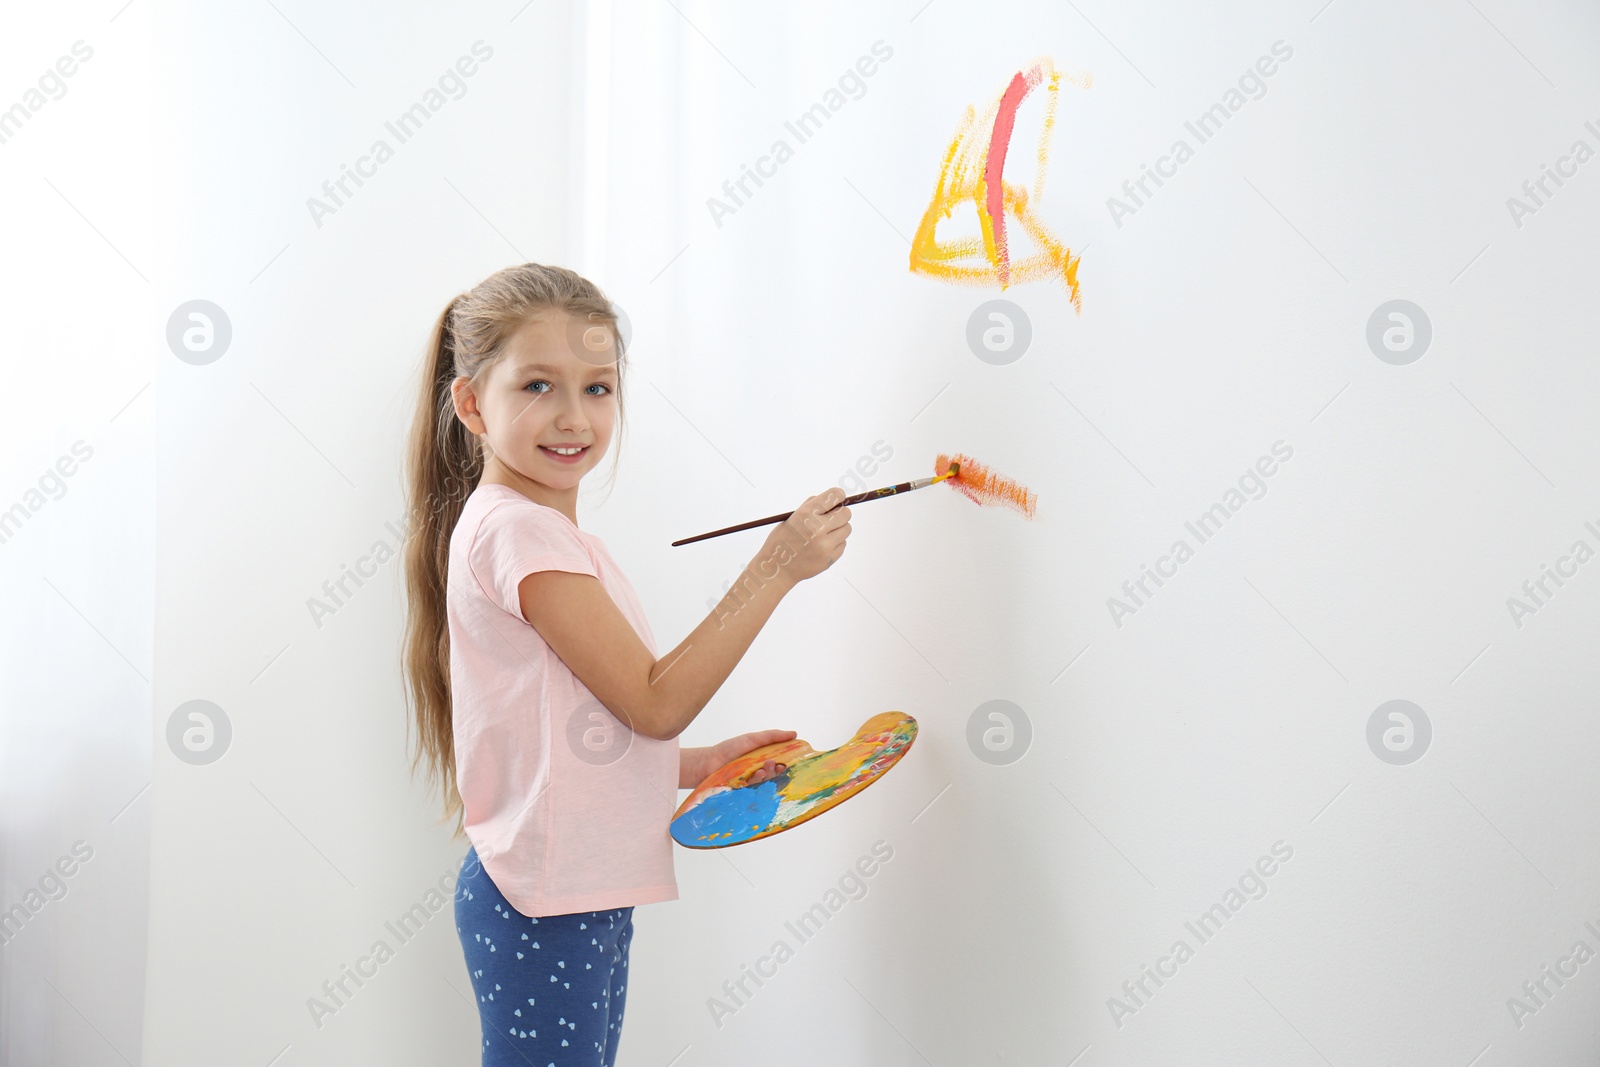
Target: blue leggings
(550, 989)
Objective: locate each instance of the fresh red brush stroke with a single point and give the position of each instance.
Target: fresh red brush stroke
(995, 166)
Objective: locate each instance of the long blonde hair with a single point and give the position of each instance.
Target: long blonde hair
(443, 464)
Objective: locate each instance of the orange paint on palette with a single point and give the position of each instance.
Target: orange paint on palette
(973, 172)
(981, 485)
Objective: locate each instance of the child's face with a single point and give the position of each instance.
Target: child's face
(543, 395)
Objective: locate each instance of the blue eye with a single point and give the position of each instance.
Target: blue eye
(533, 385)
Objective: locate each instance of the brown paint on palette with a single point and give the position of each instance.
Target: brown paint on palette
(979, 484)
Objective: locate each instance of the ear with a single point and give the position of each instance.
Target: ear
(466, 405)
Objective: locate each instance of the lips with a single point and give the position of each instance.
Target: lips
(565, 457)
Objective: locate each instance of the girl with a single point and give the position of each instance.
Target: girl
(542, 707)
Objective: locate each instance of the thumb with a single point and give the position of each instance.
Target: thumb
(761, 738)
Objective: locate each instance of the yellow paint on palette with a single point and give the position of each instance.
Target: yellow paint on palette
(974, 172)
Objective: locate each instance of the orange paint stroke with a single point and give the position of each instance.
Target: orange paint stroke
(973, 170)
(981, 485)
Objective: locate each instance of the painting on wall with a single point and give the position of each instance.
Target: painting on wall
(973, 173)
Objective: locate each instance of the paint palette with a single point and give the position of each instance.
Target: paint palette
(726, 809)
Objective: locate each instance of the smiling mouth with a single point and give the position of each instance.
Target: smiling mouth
(564, 453)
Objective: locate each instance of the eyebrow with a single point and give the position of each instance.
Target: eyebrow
(529, 368)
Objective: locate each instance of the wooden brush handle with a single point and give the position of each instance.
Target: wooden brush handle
(858, 498)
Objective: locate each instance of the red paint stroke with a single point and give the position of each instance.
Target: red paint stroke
(994, 166)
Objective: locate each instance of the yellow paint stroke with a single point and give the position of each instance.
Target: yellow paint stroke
(966, 175)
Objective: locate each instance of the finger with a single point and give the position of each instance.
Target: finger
(831, 498)
(819, 525)
(810, 517)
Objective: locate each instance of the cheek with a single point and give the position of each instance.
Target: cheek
(525, 414)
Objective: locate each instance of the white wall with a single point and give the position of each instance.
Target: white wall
(280, 863)
(772, 352)
(77, 532)
(1228, 314)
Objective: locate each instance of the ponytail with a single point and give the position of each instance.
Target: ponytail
(443, 463)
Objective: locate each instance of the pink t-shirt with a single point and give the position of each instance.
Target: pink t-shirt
(566, 806)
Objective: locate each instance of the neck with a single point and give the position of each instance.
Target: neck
(563, 500)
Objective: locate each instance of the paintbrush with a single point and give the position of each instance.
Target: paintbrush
(858, 498)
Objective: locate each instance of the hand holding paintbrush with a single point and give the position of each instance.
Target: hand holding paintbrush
(969, 477)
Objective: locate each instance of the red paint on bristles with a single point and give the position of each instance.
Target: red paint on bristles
(981, 485)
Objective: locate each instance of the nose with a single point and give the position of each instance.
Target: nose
(569, 414)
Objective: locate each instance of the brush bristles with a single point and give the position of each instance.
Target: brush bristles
(981, 485)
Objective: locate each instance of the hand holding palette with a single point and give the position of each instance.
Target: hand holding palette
(726, 809)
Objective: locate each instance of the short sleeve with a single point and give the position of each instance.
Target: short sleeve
(514, 540)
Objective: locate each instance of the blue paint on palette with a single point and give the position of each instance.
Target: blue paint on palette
(733, 814)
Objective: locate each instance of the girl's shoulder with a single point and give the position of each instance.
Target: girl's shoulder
(500, 506)
(499, 524)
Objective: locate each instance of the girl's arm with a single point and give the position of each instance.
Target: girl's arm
(659, 698)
